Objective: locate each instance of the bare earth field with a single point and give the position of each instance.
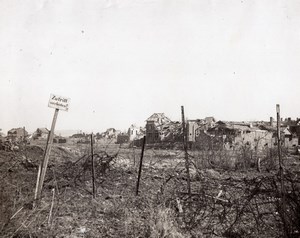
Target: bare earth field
(229, 197)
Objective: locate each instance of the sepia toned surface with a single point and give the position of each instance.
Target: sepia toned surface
(178, 118)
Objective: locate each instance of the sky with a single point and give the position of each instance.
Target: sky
(119, 61)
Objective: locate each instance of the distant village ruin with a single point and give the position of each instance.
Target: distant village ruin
(162, 132)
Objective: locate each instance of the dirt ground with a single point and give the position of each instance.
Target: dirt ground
(225, 201)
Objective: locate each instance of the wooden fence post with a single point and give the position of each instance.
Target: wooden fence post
(140, 167)
(282, 189)
(187, 163)
(93, 167)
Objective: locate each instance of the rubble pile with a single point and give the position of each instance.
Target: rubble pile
(171, 132)
(8, 145)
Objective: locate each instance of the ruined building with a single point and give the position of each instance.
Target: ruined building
(17, 134)
(153, 127)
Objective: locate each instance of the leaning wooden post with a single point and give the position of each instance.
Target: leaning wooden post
(140, 167)
(282, 189)
(47, 154)
(93, 167)
(59, 103)
(187, 163)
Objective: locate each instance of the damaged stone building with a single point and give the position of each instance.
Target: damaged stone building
(160, 129)
(230, 135)
(291, 133)
(17, 134)
(233, 135)
(195, 126)
(152, 124)
(135, 133)
(40, 133)
(209, 134)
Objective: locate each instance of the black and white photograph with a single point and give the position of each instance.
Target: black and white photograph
(150, 118)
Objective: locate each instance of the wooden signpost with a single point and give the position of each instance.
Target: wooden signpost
(59, 103)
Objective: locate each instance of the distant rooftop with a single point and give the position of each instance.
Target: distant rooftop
(159, 117)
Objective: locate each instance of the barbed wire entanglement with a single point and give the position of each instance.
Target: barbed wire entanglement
(229, 196)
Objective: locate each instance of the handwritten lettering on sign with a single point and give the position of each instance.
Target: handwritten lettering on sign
(59, 102)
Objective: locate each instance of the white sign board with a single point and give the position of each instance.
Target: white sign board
(59, 102)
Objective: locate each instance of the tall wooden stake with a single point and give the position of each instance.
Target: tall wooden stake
(279, 148)
(47, 155)
(93, 166)
(282, 192)
(187, 163)
(140, 167)
(279, 142)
